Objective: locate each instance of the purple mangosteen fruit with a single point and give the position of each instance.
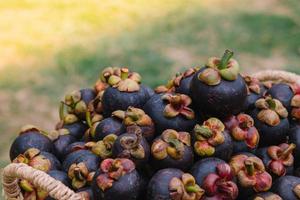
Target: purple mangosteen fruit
(245, 136)
(216, 178)
(172, 184)
(251, 174)
(30, 137)
(270, 119)
(124, 90)
(287, 187)
(172, 150)
(171, 111)
(116, 179)
(81, 166)
(212, 140)
(218, 89)
(278, 160)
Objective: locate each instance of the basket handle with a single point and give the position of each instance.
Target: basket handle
(15, 171)
(278, 76)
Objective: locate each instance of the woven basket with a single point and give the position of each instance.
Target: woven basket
(13, 172)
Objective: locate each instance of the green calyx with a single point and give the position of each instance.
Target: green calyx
(103, 148)
(226, 68)
(202, 132)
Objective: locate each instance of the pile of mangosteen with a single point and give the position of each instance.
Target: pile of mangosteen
(210, 133)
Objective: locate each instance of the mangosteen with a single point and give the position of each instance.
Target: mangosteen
(124, 90)
(265, 196)
(75, 146)
(132, 146)
(218, 89)
(294, 137)
(283, 92)
(278, 160)
(251, 174)
(245, 137)
(61, 140)
(172, 149)
(77, 102)
(81, 166)
(171, 111)
(255, 91)
(171, 184)
(179, 83)
(99, 127)
(216, 178)
(71, 124)
(116, 179)
(86, 193)
(295, 104)
(211, 140)
(102, 148)
(30, 137)
(37, 159)
(133, 117)
(270, 119)
(287, 187)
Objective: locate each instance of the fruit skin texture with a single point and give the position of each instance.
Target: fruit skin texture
(220, 100)
(294, 137)
(266, 196)
(31, 139)
(204, 167)
(155, 109)
(75, 146)
(76, 129)
(113, 99)
(270, 135)
(86, 156)
(158, 187)
(118, 150)
(284, 187)
(283, 93)
(60, 145)
(125, 187)
(110, 125)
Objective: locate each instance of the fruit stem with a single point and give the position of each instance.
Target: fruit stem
(249, 167)
(133, 116)
(175, 143)
(225, 59)
(203, 131)
(62, 111)
(191, 189)
(287, 151)
(88, 118)
(124, 73)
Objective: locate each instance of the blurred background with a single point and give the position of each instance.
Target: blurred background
(50, 47)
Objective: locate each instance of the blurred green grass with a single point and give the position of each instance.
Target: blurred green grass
(52, 47)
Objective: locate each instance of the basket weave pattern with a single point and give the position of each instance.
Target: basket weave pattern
(14, 172)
